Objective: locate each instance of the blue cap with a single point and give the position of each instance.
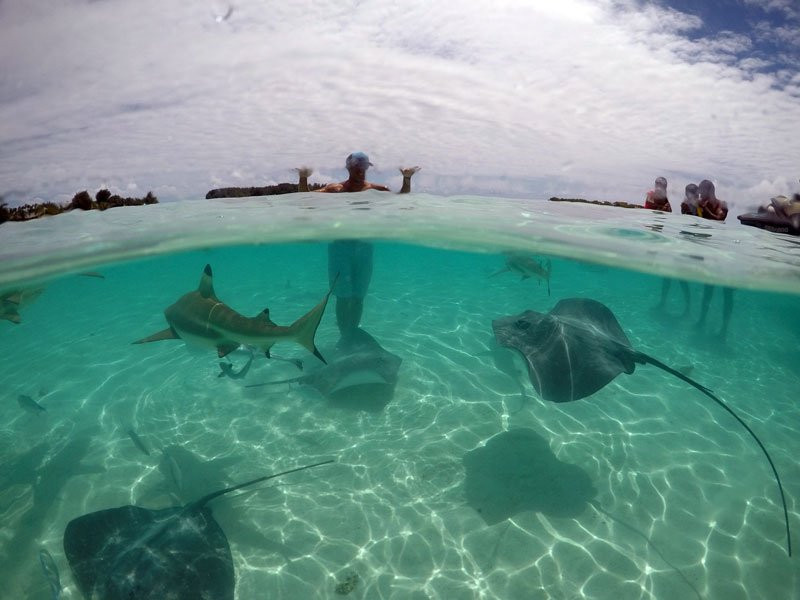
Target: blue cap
(358, 160)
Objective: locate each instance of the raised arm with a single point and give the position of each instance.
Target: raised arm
(408, 173)
(303, 173)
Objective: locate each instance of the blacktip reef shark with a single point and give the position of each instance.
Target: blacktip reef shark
(527, 266)
(202, 318)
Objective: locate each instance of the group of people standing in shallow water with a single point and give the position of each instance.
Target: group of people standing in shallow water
(701, 201)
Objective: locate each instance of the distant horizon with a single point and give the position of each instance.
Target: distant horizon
(18, 200)
(580, 98)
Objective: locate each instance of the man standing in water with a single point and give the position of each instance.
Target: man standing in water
(351, 260)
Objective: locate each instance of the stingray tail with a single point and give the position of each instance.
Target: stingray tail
(644, 358)
(206, 499)
(649, 542)
(292, 380)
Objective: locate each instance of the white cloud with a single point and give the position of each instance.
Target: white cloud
(787, 8)
(589, 99)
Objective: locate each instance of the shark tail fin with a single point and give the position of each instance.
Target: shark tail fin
(305, 328)
(164, 334)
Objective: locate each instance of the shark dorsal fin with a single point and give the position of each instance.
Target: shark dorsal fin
(206, 287)
(264, 316)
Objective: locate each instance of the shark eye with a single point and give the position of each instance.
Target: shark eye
(521, 324)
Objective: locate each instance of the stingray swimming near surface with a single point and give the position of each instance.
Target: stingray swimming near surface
(132, 552)
(578, 348)
(362, 376)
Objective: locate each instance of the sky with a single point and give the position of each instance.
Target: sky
(534, 98)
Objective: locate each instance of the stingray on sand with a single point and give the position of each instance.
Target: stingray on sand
(578, 347)
(133, 552)
(362, 376)
(517, 471)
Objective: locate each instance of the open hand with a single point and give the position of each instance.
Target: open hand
(409, 171)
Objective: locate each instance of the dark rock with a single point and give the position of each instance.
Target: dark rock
(599, 202)
(267, 190)
(81, 201)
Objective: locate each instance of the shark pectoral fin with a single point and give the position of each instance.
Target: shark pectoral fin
(12, 316)
(164, 334)
(226, 349)
(206, 287)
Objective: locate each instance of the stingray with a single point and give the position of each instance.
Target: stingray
(363, 375)
(516, 471)
(132, 552)
(578, 348)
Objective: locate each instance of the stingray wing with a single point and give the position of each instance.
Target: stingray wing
(572, 352)
(591, 315)
(92, 541)
(132, 552)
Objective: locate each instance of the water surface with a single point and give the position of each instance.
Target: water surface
(694, 508)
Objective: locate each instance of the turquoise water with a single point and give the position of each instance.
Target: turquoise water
(681, 502)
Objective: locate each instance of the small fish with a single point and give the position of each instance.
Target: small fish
(50, 571)
(138, 441)
(30, 405)
(227, 369)
(92, 274)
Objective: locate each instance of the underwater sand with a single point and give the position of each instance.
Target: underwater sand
(390, 517)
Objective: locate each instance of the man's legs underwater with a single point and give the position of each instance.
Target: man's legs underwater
(351, 261)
